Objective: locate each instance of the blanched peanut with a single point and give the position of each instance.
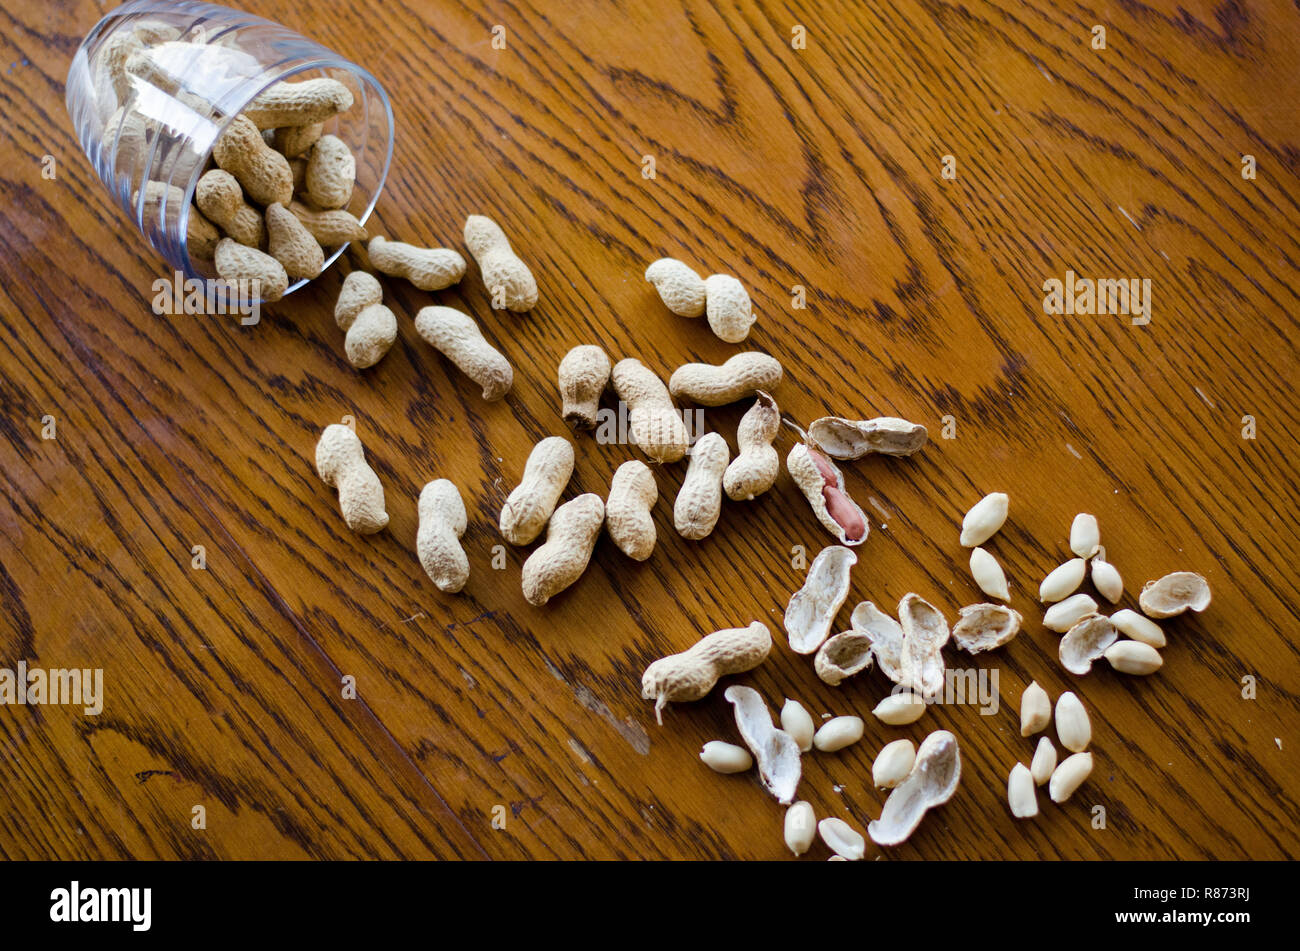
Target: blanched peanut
(899, 709)
(1069, 776)
(842, 839)
(1063, 615)
(1073, 728)
(437, 542)
(371, 327)
(632, 495)
(655, 425)
(1131, 624)
(727, 304)
(459, 339)
(798, 722)
(837, 733)
(429, 269)
(530, 505)
(893, 763)
(691, 674)
(1035, 709)
(1085, 536)
(679, 287)
(584, 373)
(984, 519)
(823, 486)
(726, 757)
(570, 538)
(800, 827)
(1134, 657)
(699, 502)
(756, 465)
(740, 377)
(506, 277)
(1021, 796)
(331, 173)
(291, 244)
(341, 464)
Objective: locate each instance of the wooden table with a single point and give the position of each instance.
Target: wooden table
(818, 164)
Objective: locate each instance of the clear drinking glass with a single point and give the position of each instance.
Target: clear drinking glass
(197, 66)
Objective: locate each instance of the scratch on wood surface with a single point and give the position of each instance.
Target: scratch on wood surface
(1072, 451)
(1129, 217)
(1208, 401)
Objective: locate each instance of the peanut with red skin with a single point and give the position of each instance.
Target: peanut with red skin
(823, 487)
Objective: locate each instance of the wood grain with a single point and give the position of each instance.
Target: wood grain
(818, 167)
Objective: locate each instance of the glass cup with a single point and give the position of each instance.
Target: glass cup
(154, 85)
